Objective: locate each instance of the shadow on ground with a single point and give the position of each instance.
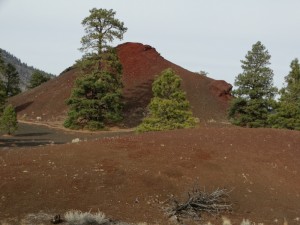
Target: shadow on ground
(30, 135)
(19, 142)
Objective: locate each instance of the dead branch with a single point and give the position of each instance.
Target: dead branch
(198, 202)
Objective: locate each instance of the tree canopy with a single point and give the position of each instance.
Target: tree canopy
(287, 114)
(8, 121)
(2, 87)
(169, 108)
(101, 28)
(96, 99)
(2, 97)
(37, 78)
(254, 96)
(11, 80)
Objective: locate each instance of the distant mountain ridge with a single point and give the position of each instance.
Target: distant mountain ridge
(23, 69)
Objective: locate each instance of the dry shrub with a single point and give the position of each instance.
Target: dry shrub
(199, 202)
(76, 217)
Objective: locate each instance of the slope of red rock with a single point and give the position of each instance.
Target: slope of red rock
(141, 63)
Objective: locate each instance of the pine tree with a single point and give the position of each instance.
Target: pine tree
(11, 80)
(287, 114)
(37, 78)
(95, 101)
(101, 28)
(2, 65)
(2, 87)
(8, 121)
(169, 108)
(2, 97)
(254, 96)
(96, 97)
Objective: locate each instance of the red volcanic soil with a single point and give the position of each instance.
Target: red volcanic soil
(141, 63)
(129, 177)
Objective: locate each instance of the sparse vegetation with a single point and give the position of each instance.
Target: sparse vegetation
(203, 73)
(169, 108)
(96, 97)
(254, 96)
(8, 121)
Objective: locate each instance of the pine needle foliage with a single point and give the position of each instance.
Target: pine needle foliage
(287, 114)
(101, 28)
(96, 99)
(8, 121)
(2, 87)
(169, 108)
(37, 78)
(11, 80)
(254, 96)
(3, 97)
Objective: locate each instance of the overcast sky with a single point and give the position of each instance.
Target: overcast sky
(209, 35)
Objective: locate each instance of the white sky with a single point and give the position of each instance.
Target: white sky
(209, 35)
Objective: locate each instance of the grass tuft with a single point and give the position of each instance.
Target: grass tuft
(76, 217)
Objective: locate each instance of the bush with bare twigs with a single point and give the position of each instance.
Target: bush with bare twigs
(199, 202)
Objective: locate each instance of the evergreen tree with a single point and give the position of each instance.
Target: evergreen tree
(288, 112)
(2, 87)
(11, 80)
(169, 108)
(8, 121)
(95, 100)
(96, 97)
(2, 97)
(37, 78)
(2, 65)
(254, 96)
(101, 28)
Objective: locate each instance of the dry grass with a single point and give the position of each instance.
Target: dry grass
(76, 217)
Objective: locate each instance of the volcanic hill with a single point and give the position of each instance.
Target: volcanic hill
(141, 63)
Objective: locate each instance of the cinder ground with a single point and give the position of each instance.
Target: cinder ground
(129, 177)
(31, 135)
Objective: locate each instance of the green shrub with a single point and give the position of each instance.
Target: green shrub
(8, 121)
(254, 96)
(169, 108)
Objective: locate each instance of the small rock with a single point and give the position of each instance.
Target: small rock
(56, 219)
(76, 140)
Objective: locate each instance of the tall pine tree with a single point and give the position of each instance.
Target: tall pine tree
(96, 97)
(287, 114)
(254, 96)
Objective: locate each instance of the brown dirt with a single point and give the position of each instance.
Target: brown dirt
(141, 63)
(128, 177)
